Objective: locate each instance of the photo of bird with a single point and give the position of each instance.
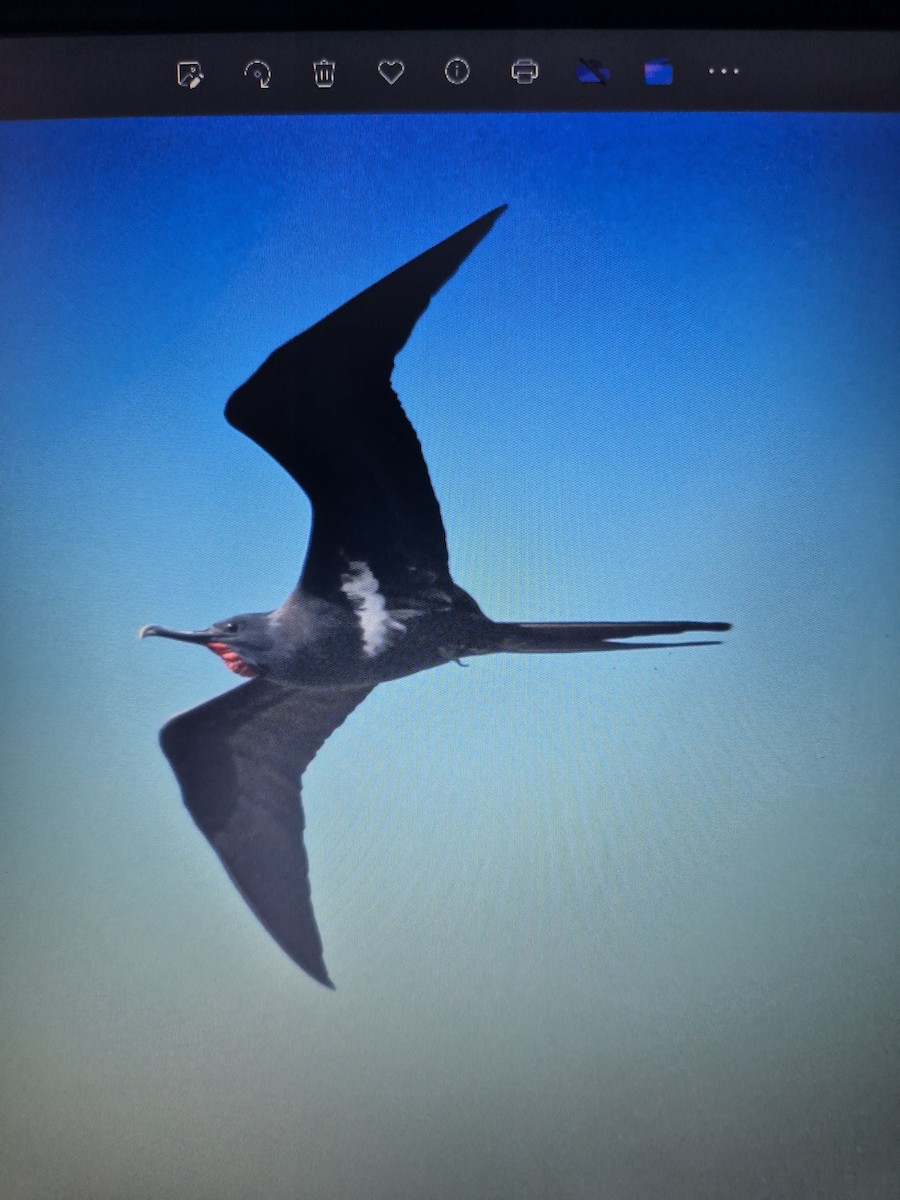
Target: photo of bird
(375, 600)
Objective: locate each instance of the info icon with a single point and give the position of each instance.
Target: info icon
(457, 71)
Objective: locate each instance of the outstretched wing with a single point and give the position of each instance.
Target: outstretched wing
(239, 759)
(322, 406)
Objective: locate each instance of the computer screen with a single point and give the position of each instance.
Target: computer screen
(537, 347)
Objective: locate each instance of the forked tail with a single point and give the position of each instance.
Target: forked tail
(571, 637)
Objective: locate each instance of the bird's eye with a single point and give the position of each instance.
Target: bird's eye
(230, 627)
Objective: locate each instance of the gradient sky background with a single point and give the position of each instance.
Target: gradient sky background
(619, 925)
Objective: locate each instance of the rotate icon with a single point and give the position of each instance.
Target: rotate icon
(258, 72)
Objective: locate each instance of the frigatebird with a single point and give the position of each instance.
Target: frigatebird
(375, 600)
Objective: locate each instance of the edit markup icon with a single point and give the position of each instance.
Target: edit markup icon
(189, 74)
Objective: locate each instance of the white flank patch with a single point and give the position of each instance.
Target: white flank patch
(360, 587)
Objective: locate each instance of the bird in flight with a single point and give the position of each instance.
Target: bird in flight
(375, 600)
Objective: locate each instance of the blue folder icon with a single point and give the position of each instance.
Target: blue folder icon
(657, 70)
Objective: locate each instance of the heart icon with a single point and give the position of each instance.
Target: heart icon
(391, 69)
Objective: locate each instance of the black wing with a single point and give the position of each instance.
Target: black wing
(322, 406)
(239, 759)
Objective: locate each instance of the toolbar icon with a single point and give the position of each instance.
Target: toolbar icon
(658, 71)
(390, 69)
(524, 70)
(189, 74)
(258, 72)
(589, 70)
(457, 70)
(323, 73)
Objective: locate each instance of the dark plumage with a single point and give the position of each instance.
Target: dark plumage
(375, 600)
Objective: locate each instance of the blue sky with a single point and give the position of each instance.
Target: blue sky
(619, 917)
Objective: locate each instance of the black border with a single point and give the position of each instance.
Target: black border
(45, 17)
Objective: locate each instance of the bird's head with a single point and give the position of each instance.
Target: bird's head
(241, 642)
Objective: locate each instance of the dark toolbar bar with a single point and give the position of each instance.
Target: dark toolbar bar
(572, 70)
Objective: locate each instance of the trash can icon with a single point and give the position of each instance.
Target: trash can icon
(323, 73)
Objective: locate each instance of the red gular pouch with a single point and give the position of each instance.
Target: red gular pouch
(233, 660)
